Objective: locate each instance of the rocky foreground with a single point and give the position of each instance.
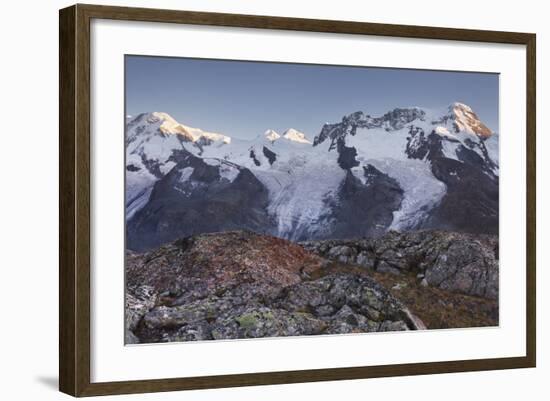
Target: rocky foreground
(457, 262)
(243, 285)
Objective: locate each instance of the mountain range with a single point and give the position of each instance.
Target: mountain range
(410, 168)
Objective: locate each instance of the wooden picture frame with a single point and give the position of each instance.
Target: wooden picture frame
(75, 206)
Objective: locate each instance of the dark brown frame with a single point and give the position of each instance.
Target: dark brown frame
(74, 199)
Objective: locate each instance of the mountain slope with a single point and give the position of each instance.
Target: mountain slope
(409, 168)
(199, 196)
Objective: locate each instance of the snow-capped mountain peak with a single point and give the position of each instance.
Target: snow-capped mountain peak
(169, 126)
(296, 136)
(460, 106)
(461, 118)
(271, 135)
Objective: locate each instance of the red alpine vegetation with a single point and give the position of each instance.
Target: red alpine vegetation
(222, 258)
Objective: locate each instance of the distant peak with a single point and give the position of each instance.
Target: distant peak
(296, 136)
(162, 116)
(169, 126)
(465, 119)
(460, 106)
(271, 135)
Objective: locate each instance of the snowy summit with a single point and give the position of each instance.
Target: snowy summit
(294, 135)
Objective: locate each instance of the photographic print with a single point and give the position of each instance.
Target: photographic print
(270, 199)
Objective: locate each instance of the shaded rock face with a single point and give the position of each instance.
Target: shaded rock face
(457, 262)
(271, 156)
(471, 203)
(243, 285)
(365, 210)
(183, 204)
(346, 155)
(422, 146)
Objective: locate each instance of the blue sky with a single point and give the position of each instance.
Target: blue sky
(243, 99)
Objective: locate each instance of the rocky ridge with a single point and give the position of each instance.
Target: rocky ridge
(243, 285)
(239, 284)
(452, 261)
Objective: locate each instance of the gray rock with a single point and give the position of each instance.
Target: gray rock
(385, 267)
(364, 259)
(130, 338)
(324, 310)
(343, 253)
(458, 262)
(468, 268)
(338, 303)
(388, 325)
(139, 300)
